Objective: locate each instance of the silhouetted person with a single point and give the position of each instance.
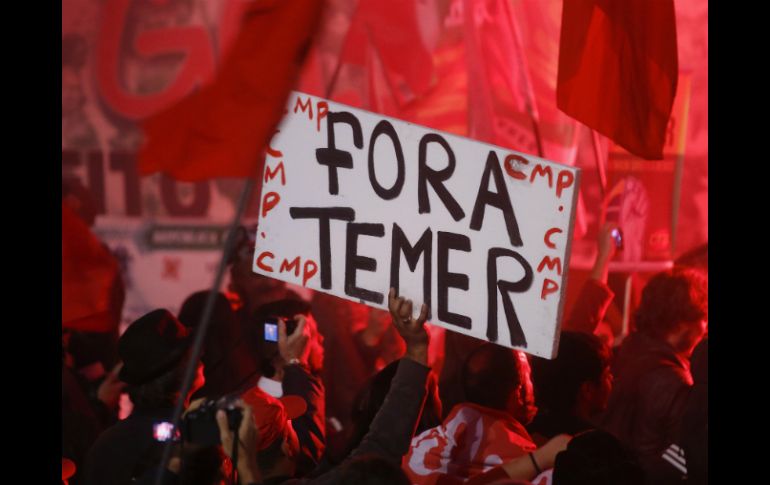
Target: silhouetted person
(572, 388)
(486, 428)
(652, 370)
(155, 351)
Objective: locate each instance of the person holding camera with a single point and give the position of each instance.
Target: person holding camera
(595, 296)
(155, 350)
(390, 433)
(292, 359)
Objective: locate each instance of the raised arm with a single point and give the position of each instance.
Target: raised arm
(390, 433)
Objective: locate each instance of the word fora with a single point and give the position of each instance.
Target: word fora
(335, 158)
(412, 254)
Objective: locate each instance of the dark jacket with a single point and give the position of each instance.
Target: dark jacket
(310, 427)
(126, 450)
(80, 421)
(648, 398)
(390, 434)
(547, 425)
(591, 306)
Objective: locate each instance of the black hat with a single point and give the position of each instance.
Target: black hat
(151, 346)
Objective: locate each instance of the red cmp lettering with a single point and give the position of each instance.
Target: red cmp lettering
(322, 108)
(310, 269)
(542, 171)
(549, 286)
(306, 106)
(287, 266)
(566, 179)
(512, 171)
(271, 174)
(547, 238)
(263, 266)
(269, 201)
(551, 263)
(272, 151)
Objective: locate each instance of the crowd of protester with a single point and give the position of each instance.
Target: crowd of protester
(356, 396)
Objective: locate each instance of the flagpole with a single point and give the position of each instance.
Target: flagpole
(333, 80)
(599, 163)
(536, 131)
(201, 329)
(530, 92)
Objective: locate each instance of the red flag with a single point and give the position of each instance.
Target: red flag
(221, 130)
(91, 286)
(500, 97)
(472, 440)
(393, 29)
(618, 69)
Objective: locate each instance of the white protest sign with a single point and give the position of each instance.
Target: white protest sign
(354, 203)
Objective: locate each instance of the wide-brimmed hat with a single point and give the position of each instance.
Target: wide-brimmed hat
(151, 346)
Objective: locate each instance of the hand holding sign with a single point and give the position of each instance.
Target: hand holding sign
(480, 234)
(412, 330)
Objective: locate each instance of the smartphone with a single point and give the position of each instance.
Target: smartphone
(164, 431)
(617, 236)
(271, 330)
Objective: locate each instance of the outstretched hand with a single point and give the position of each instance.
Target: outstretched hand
(412, 330)
(296, 345)
(606, 250)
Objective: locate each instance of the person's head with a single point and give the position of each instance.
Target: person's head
(598, 458)
(674, 308)
(155, 350)
(230, 358)
(499, 378)
(279, 445)
(252, 289)
(578, 381)
(287, 308)
(697, 257)
(370, 398)
(372, 470)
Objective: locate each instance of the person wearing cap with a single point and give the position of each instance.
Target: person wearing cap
(389, 435)
(293, 364)
(155, 350)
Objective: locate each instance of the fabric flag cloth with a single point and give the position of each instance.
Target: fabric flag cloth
(501, 100)
(91, 286)
(391, 31)
(472, 440)
(221, 130)
(618, 69)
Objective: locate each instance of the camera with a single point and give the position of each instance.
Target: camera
(617, 236)
(164, 431)
(200, 425)
(271, 328)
